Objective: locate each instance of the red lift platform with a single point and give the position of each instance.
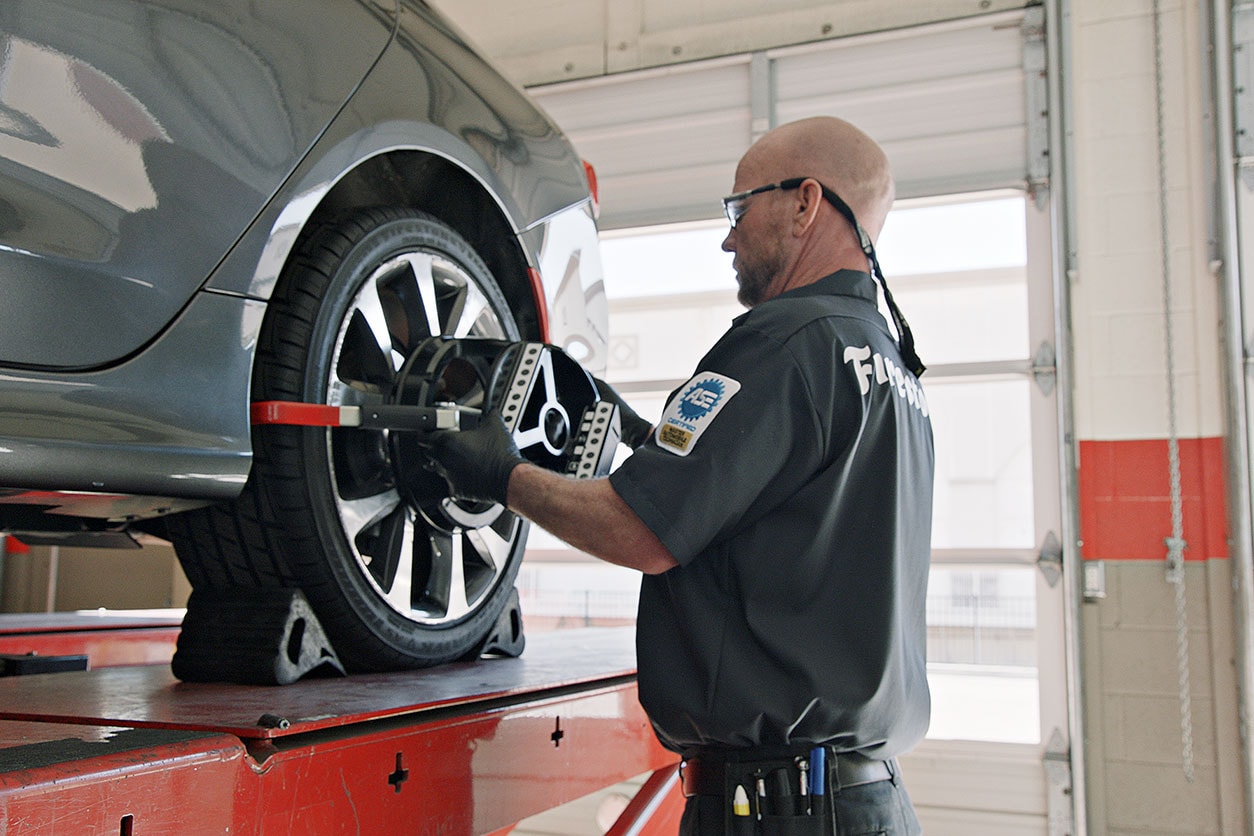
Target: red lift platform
(467, 748)
(106, 637)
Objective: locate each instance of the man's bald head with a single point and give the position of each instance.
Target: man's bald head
(834, 152)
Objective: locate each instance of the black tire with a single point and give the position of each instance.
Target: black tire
(398, 574)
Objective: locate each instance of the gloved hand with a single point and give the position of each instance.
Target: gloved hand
(636, 430)
(476, 463)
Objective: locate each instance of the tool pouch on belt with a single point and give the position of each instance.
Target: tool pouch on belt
(777, 804)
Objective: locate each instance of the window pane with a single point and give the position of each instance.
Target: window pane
(953, 237)
(663, 338)
(983, 488)
(685, 258)
(981, 650)
(957, 271)
(984, 616)
(558, 591)
(966, 317)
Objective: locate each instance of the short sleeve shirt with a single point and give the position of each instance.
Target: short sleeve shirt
(791, 478)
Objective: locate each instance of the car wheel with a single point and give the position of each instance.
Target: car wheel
(399, 574)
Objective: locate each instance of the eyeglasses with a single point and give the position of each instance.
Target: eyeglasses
(735, 207)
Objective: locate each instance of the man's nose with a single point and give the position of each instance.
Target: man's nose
(729, 245)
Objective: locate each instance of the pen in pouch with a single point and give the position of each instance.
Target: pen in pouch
(818, 771)
(803, 767)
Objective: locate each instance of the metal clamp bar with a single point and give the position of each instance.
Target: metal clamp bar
(380, 417)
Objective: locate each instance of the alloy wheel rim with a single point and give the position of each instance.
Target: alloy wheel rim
(432, 566)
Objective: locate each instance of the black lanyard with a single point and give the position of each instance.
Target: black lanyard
(908, 354)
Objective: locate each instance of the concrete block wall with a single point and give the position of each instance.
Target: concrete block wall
(1137, 784)
(1135, 758)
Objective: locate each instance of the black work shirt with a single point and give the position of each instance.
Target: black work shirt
(791, 478)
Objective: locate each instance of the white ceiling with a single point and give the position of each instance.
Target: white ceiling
(544, 41)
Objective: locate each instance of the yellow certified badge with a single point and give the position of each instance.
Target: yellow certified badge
(675, 438)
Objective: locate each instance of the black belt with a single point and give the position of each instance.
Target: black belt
(706, 775)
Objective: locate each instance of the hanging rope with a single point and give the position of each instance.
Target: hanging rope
(1175, 543)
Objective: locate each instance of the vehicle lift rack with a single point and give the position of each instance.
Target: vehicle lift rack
(465, 748)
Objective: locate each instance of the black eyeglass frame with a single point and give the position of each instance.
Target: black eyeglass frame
(734, 207)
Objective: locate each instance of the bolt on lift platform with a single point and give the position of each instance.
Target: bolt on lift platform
(465, 748)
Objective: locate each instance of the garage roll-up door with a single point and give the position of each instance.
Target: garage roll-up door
(946, 101)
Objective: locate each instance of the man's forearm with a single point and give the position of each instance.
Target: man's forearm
(589, 515)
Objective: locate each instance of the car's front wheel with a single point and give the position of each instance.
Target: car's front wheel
(399, 574)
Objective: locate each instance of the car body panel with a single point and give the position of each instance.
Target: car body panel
(143, 137)
(184, 424)
(570, 261)
(498, 137)
(153, 391)
(155, 424)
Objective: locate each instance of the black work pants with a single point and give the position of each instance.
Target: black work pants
(882, 808)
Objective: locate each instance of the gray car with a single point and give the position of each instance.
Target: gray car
(209, 204)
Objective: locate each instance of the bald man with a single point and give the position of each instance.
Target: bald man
(780, 511)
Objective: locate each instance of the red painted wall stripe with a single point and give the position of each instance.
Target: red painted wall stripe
(1125, 499)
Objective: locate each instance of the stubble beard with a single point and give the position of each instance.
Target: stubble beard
(755, 278)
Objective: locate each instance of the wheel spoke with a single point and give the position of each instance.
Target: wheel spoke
(457, 606)
(381, 551)
(491, 548)
(446, 583)
(424, 280)
(468, 315)
(358, 514)
(369, 306)
(399, 580)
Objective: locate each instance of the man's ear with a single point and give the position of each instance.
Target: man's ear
(806, 208)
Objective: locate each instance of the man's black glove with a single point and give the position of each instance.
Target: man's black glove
(476, 463)
(635, 429)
